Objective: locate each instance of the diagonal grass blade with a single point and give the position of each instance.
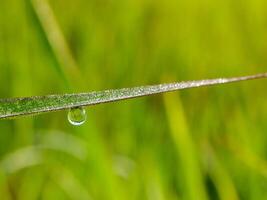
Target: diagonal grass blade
(14, 107)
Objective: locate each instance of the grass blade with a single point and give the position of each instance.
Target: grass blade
(14, 107)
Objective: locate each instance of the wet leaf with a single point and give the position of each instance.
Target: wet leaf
(15, 107)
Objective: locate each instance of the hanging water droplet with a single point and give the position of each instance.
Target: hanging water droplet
(77, 116)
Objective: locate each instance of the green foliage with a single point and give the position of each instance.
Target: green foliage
(208, 143)
(10, 108)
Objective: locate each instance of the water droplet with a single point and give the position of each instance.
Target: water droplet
(77, 116)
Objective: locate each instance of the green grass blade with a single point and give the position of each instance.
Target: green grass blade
(68, 67)
(15, 107)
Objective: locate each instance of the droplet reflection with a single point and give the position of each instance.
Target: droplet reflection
(77, 116)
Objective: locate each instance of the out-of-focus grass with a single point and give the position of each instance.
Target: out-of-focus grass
(203, 144)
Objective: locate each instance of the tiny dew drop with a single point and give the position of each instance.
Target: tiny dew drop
(77, 116)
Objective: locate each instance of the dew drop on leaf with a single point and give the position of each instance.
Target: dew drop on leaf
(77, 116)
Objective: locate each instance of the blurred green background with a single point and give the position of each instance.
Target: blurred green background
(198, 144)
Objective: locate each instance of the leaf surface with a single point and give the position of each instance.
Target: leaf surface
(14, 107)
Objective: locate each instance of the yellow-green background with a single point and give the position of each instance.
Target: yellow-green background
(198, 144)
